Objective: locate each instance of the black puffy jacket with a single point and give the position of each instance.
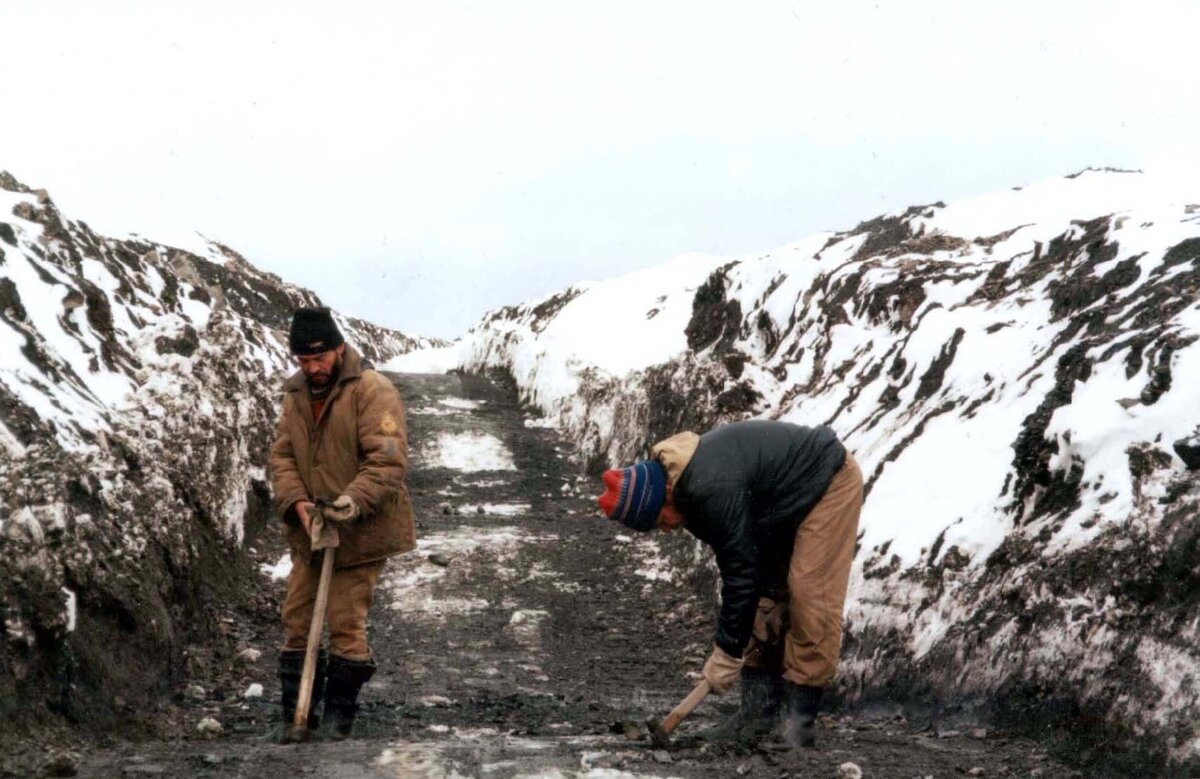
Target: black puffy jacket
(745, 490)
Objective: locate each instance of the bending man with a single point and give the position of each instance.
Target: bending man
(779, 505)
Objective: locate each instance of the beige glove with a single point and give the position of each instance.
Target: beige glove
(342, 509)
(721, 670)
(768, 621)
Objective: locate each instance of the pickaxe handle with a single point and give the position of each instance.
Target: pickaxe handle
(698, 693)
(300, 723)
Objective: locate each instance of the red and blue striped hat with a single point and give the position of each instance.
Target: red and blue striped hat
(634, 496)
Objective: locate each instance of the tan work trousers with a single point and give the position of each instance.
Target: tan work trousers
(818, 576)
(350, 593)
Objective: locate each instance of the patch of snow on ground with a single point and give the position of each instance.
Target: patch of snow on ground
(497, 509)
(280, 570)
(409, 581)
(469, 452)
(525, 626)
(433, 411)
(653, 565)
(484, 483)
(461, 403)
(72, 613)
(437, 360)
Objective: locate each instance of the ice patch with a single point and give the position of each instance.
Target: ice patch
(433, 411)
(497, 509)
(468, 452)
(460, 403)
(280, 570)
(525, 626)
(484, 483)
(433, 360)
(72, 606)
(423, 760)
(410, 582)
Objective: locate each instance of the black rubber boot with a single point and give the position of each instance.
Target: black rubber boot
(758, 711)
(291, 668)
(346, 678)
(803, 702)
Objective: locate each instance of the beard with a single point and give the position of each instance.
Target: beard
(321, 381)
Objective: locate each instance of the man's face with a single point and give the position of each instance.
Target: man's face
(321, 368)
(669, 517)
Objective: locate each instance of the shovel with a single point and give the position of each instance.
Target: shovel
(324, 536)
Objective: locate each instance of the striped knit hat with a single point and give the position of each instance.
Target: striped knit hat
(633, 496)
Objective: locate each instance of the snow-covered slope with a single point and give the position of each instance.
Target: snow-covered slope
(1011, 371)
(138, 386)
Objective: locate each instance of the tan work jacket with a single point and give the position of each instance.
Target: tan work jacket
(359, 447)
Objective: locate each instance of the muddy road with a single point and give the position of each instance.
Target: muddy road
(525, 637)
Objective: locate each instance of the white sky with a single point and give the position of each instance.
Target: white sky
(418, 163)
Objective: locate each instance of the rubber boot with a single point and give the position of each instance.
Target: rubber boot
(758, 710)
(346, 678)
(803, 702)
(291, 668)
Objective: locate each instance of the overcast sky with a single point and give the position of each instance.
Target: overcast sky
(417, 164)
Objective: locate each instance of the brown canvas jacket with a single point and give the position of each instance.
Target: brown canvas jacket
(359, 447)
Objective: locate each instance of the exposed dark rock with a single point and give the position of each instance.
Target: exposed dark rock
(1188, 450)
(10, 301)
(932, 379)
(545, 311)
(715, 320)
(185, 344)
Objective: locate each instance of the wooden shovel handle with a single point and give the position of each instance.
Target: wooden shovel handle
(314, 642)
(699, 693)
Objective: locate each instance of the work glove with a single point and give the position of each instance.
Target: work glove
(341, 509)
(768, 621)
(722, 670)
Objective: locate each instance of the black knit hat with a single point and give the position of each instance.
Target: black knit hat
(313, 331)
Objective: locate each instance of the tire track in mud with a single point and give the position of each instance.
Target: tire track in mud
(527, 637)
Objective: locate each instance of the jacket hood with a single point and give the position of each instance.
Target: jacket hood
(675, 453)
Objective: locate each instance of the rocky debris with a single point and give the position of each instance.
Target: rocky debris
(253, 691)
(60, 764)
(249, 655)
(1188, 450)
(209, 727)
(849, 771)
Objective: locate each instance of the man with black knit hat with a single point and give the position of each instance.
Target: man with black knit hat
(341, 439)
(779, 505)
